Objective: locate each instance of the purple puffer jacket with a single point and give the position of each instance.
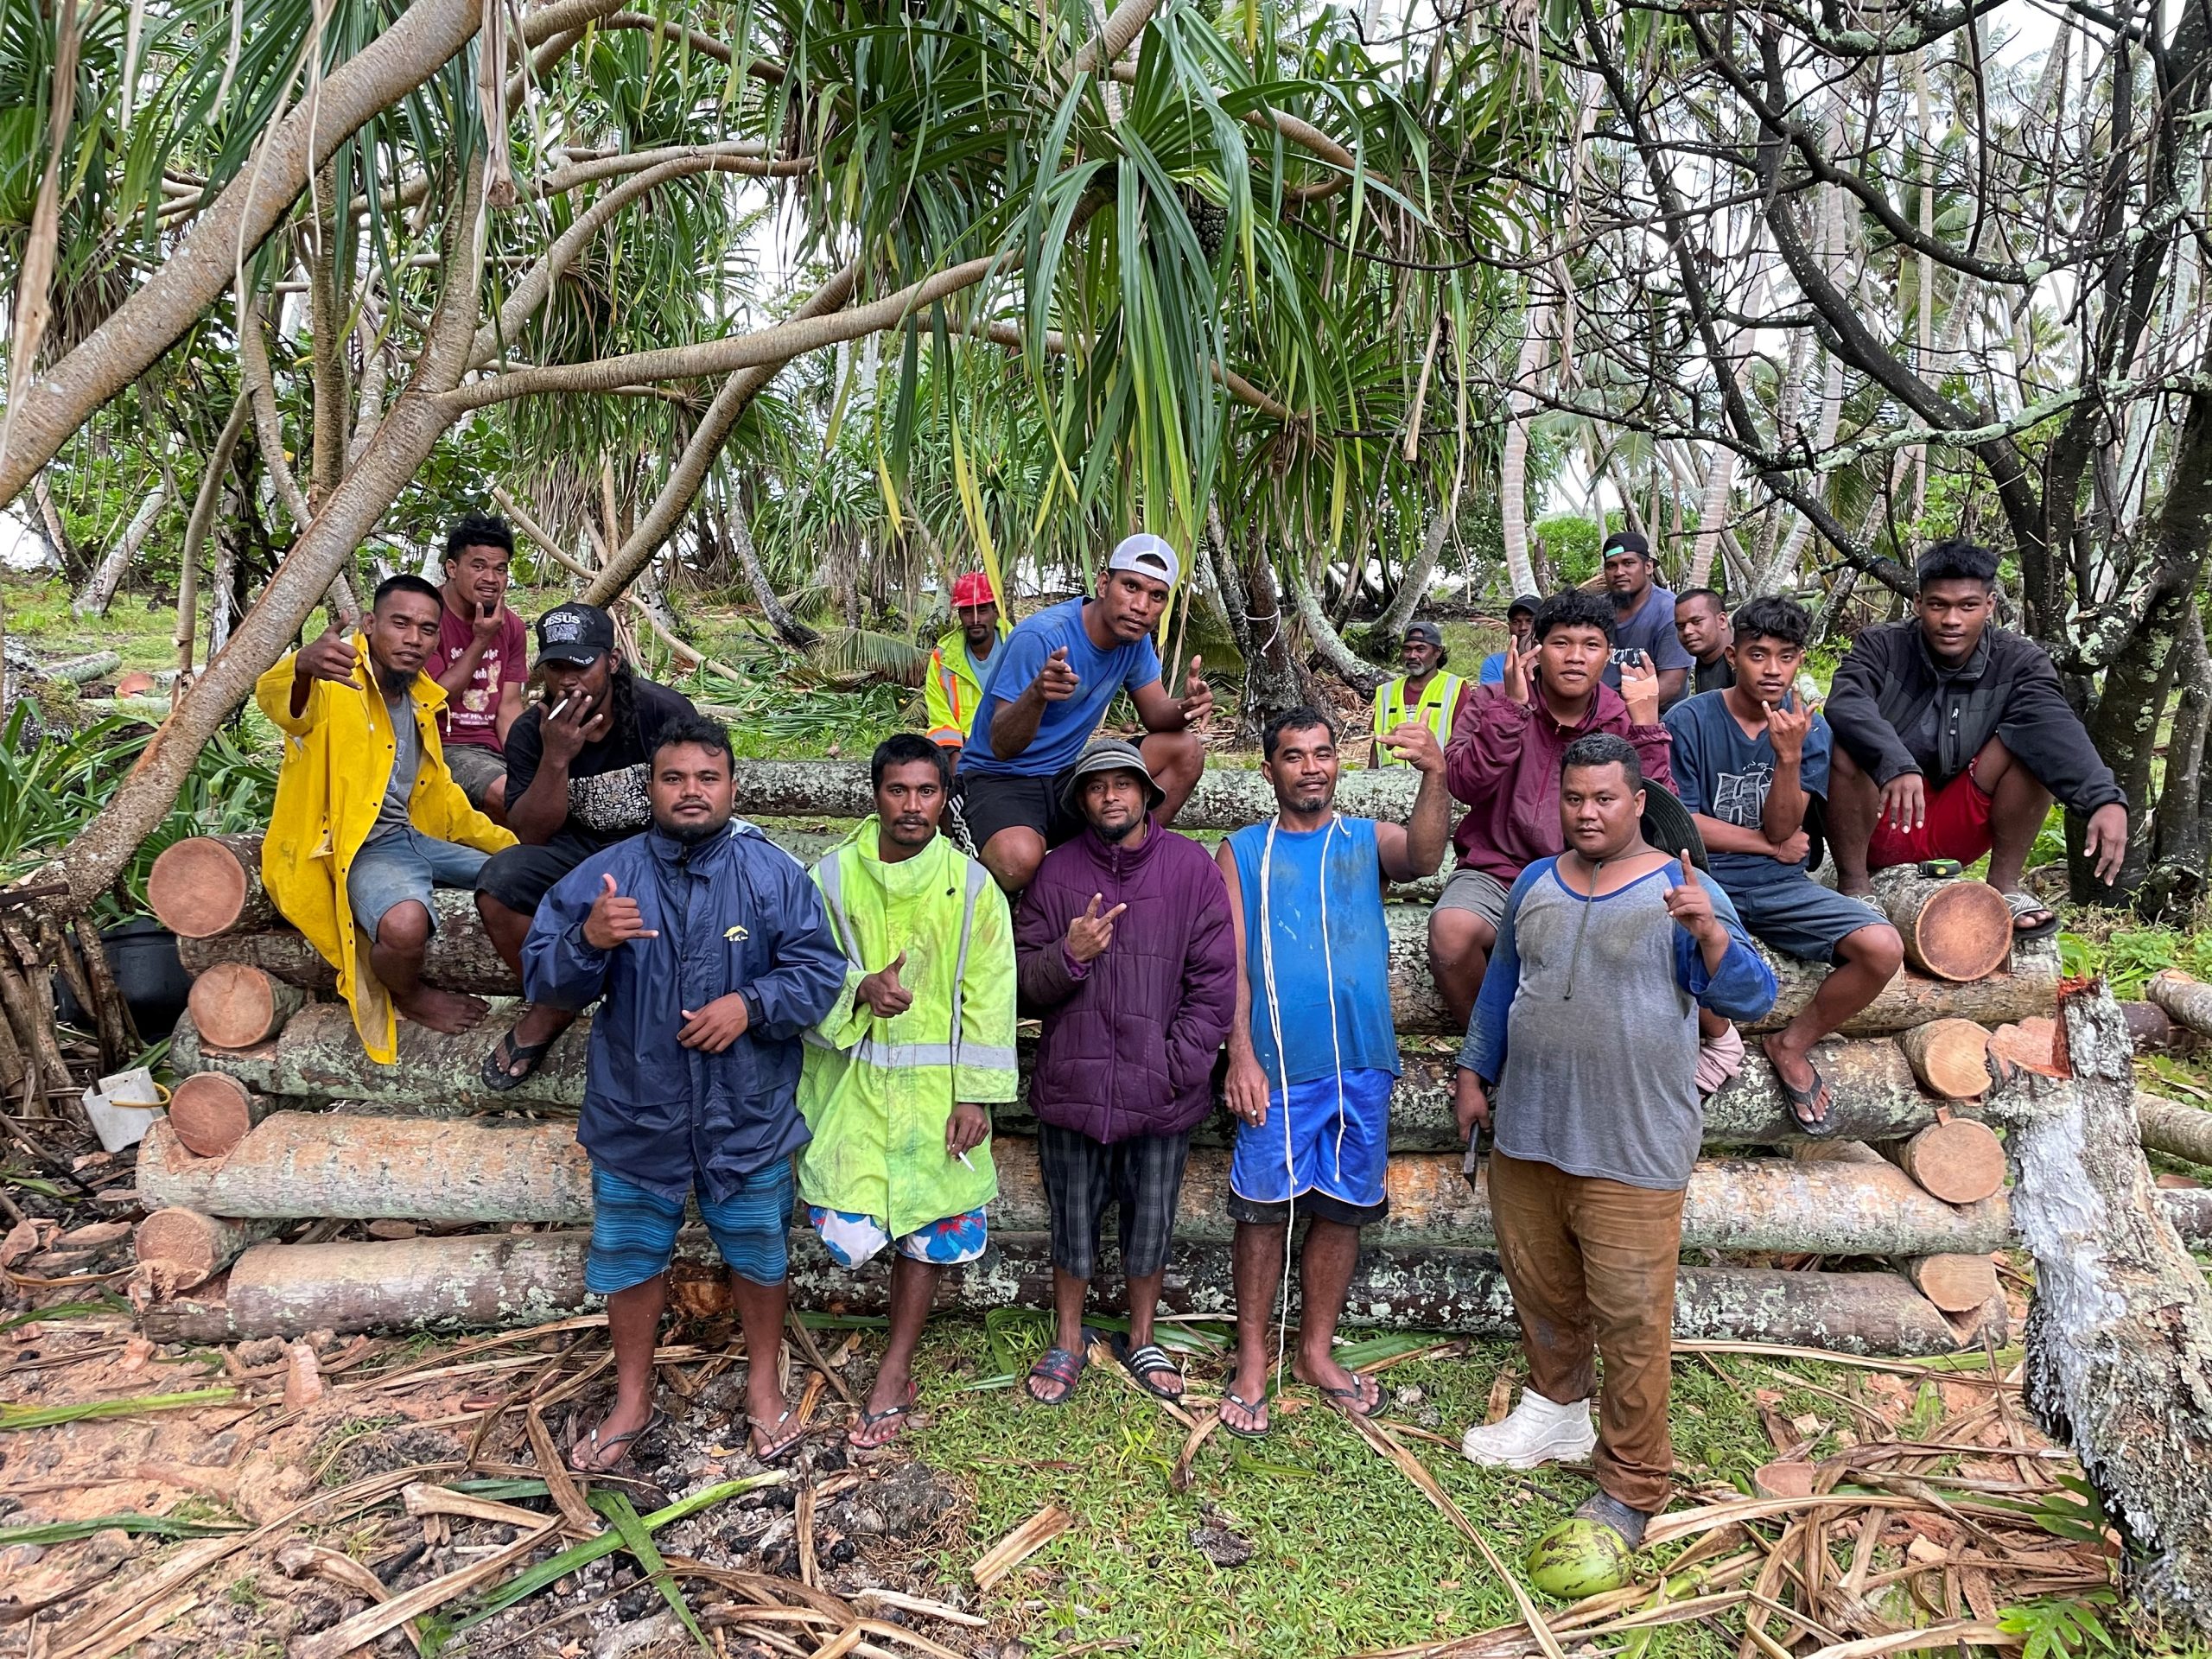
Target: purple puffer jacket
(1130, 1037)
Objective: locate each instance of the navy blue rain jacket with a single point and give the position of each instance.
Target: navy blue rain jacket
(735, 913)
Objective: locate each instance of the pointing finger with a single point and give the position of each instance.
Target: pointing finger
(1689, 876)
(1116, 910)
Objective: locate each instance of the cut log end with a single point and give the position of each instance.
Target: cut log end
(185, 1248)
(1960, 1162)
(1950, 1056)
(1963, 932)
(1956, 1284)
(234, 1006)
(210, 1113)
(198, 888)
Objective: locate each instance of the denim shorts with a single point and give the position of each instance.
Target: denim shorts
(403, 864)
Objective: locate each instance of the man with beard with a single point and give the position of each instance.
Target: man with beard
(710, 956)
(1587, 1031)
(1313, 1052)
(902, 1071)
(1520, 623)
(481, 659)
(577, 769)
(367, 820)
(1051, 684)
(1424, 692)
(1124, 945)
(954, 685)
(1503, 762)
(1644, 617)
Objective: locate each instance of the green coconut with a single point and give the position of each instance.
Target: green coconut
(1578, 1558)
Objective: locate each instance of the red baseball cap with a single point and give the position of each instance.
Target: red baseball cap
(974, 588)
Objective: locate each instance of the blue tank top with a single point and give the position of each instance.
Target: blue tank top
(1347, 964)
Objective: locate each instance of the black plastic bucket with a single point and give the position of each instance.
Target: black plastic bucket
(142, 954)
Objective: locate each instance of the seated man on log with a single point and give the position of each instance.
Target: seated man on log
(710, 956)
(1503, 761)
(1750, 761)
(1953, 735)
(367, 821)
(578, 766)
(953, 685)
(1123, 944)
(1424, 692)
(1050, 686)
(1587, 1029)
(482, 660)
(903, 1071)
(1311, 1094)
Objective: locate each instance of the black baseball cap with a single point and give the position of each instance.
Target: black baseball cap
(1427, 630)
(1626, 541)
(1528, 602)
(575, 634)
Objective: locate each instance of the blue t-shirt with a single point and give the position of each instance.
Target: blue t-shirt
(1726, 775)
(1066, 725)
(1348, 966)
(1492, 671)
(1648, 628)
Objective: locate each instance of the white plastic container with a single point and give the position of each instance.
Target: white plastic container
(123, 1105)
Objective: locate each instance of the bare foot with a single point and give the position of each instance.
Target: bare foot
(607, 1445)
(773, 1424)
(1244, 1402)
(1346, 1390)
(446, 1011)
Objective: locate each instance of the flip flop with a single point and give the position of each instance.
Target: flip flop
(1255, 1408)
(2025, 905)
(766, 1448)
(1055, 1365)
(1813, 1121)
(498, 1075)
(1349, 1400)
(1148, 1361)
(622, 1445)
(870, 1420)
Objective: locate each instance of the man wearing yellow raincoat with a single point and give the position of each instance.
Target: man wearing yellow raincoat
(368, 821)
(899, 1076)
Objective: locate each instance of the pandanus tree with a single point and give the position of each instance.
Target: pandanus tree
(1206, 236)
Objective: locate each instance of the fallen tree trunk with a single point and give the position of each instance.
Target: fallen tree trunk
(2119, 1342)
(208, 884)
(1958, 1162)
(2184, 998)
(507, 1279)
(235, 1006)
(460, 958)
(1957, 1284)
(1953, 929)
(2178, 1130)
(2028, 989)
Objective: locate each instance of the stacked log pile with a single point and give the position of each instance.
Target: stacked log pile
(279, 1118)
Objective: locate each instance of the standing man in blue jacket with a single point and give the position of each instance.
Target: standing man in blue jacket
(710, 954)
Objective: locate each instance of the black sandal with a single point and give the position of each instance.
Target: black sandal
(1149, 1361)
(621, 1444)
(1256, 1410)
(1814, 1121)
(1354, 1401)
(500, 1075)
(2025, 905)
(1055, 1365)
(766, 1448)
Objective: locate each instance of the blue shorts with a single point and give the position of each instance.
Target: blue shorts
(1799, 917)
(1326, 1155)
(852, 1239)
(403, 864)
(633, 1231)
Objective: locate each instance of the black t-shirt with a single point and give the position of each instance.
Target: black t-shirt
(606, 780)
(1715, 676)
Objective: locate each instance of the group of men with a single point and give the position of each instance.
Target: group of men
(767, 1037)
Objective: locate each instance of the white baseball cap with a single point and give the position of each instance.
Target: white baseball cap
(1148, 555)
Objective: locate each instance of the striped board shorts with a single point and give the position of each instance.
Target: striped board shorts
(633, 1231)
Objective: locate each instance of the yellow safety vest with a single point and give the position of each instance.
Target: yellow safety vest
(1439, 701)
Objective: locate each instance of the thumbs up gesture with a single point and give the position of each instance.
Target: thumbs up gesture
(1197, 702)
(614, 920)
(883, 992)
(1691, 905)
(329, 657)
(1090, 933)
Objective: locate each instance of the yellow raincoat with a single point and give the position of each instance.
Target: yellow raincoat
(337, 762)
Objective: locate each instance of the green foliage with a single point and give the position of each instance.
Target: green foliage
(21, 1417)
(2126, 958)
(2055, 1627)
(142, 1526)
(1570, 544)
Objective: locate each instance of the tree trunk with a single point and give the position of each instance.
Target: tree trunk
(2028, 989)
(1953, 929)
(285, 1290)
(209, 1113)
(1513, 464)
(2176, 880)
(182, 1247)
(1950, 1056)
(1959, 1161)
(99, 593)
(739, 538)
(1337, 656)
(461, 956)
(1956, 1284)
(2119, 1364)
(2186, 999)
(1415, 581)
(2178, 1131)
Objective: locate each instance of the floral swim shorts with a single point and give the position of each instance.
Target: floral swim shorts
(852, 1240)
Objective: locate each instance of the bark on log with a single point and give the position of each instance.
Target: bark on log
(2118, 1361)
(235, 1006)
(1950, 1056)
(2151, 1028)
(2029, 988)
(2176, 1129)
(1953, 929)
(255, 1067)
(184, 1248)
(1957, 1284)
(460, 957)
(1960, 1162)
(284, 1290)
(210, 1113)
(206, 885)
(2186, 999)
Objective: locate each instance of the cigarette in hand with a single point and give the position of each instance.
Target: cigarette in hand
(555, 712)
(963, 1157)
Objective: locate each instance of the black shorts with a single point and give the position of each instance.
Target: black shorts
(518, 877)
(993, 802)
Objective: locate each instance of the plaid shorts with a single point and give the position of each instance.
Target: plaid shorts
(1142, 1176)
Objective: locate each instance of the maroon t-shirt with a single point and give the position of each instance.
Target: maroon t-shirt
(473, 716)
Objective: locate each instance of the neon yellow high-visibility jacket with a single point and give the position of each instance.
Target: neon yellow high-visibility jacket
(952, 692)
(1436, 707)
(337, 760)
(877, 1093)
